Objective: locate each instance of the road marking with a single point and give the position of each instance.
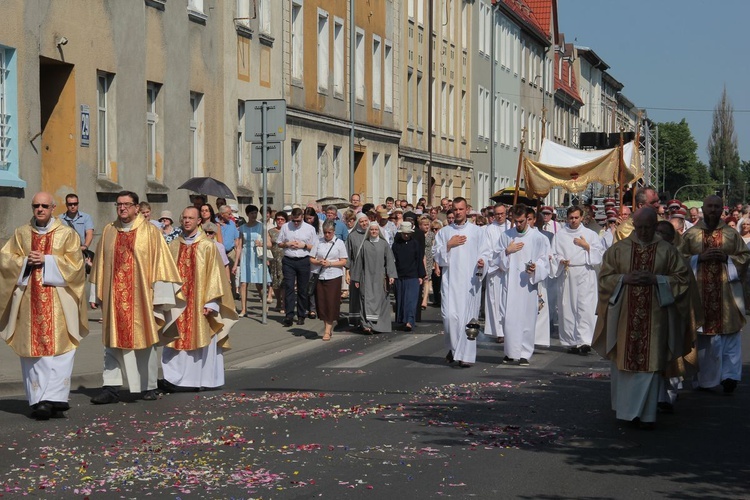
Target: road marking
(377, 352)
(267, 360)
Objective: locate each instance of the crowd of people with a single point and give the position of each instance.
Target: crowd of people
(661, 291)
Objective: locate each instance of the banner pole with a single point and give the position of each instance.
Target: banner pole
(520, 161)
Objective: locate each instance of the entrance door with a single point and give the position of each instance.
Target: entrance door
(59, 124)
(360, 175)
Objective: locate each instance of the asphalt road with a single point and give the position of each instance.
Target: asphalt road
(383, 417)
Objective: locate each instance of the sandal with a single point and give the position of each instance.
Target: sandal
(327, 336)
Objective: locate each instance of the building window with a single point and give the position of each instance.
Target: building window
(240, 145)
(410, 97)
(195, 11)
(464, 25)
(336, 171)
(323, 50)
(244, 13)
(322, 170)
(297, 39)
(359, 75)
(480, 113)
(410, 7)
(103, 121)
(420, 11)
(377, 70)
(482, 14)
(377, 178)
(432, 104)
(264, 16)
(296, 153)
(152, 126)
(388, 75)
(196, 133)
(9, 120)
(338, 56)
(386, 175)
(420, 101)
(463, 114)
(444, 107)
(451, 108)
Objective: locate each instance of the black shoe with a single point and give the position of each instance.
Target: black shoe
(60, 406)
(42, 410)
(585, 349)
(300, 320)
(573, 350)
(287, 322)
(449, 357)
(464, 365)
(108, 395)
(729, 385)
(408, 327)
(312, 315)
(523, 362)
(508, 361)
(151, 395)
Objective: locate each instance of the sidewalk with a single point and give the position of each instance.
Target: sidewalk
(248, 338)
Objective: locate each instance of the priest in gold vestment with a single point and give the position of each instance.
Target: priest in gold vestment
(42, 309)
(644, 197)
(135, 280)
(195, 360)
(642, 283)
(719, 258)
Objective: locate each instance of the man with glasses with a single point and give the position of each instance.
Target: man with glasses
(495, 284)
(43, 305)
(355, 203)
(230, 236)
(136, 283)
(297, 238)
(81, 222)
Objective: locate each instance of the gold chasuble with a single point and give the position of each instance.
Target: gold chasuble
(722, 299)
(623, 230)
(36, 319)
(204, 281)
(632, 327)
(127, 265)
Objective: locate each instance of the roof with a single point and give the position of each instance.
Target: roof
(545, 11)
(567, 72)
(523, 11)
(591, 56)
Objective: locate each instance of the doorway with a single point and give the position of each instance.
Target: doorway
(57, 106)
(360, 175)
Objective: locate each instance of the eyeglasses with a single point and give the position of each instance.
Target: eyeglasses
(40, 205)
(435, 229)
(124, 205)
(210, 233)
(72, 204)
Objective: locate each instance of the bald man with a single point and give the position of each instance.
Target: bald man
(643, 286)
(43, 309)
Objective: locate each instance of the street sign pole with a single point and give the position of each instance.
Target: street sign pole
(264, 213)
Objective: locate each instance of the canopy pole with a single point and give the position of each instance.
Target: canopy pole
(520, 161)
(621, 176)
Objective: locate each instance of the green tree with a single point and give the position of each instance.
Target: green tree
(678, 159)
(723, 152)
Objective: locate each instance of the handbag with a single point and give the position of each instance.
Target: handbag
(314, 276)
(259, 253)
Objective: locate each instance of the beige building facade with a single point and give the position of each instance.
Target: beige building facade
(140, 95)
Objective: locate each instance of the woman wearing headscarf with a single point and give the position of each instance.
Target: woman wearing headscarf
(372, 275)
(354, 243)
(408, 254)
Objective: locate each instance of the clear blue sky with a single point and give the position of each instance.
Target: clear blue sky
(671, 54)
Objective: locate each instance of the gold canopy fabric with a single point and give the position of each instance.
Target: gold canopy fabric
(541, 178)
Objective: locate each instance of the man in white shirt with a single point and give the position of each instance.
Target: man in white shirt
(297, 238)
(550, 225)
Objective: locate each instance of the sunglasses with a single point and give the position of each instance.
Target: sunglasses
(210, 232)
(71, 204)
(40, 205)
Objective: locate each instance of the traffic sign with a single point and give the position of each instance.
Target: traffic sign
(275, 120)
(274, 158)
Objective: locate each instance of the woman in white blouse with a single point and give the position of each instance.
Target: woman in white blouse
(328, 259)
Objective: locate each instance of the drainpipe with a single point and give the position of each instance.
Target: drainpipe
(352, 92)
(493, 91)
(429, 107)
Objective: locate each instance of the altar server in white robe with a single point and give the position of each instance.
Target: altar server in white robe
(495, 285)
(524, 255)
(577, 252)
(547, 290)
(462, 253)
